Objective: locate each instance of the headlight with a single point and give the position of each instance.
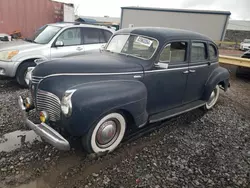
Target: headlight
(66, 104)
(7, 55)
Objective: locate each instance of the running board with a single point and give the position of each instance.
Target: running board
(176, 111)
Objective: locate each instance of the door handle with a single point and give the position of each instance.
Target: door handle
(185, 72)
(79, 48)
(192, 71)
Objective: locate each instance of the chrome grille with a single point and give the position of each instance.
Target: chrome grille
(50, 103)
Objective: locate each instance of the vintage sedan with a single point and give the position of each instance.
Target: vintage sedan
(143, 75)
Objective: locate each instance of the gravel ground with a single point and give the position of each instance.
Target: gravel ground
(195, 149)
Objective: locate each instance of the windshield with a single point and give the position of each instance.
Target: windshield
(44, 34)
(134, 45)
(247, 41)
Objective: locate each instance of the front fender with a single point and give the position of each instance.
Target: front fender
(219, 76)
(20, 60)
(93, 100)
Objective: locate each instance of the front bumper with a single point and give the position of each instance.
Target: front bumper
(245, 47)
(7, 68)
(45, 131)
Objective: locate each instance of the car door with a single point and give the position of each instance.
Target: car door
(166, 82)
(94, 39)
(200, 67)
(69, 42)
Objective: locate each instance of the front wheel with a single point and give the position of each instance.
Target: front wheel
(213, 98)
(21, 73)
(106, 135)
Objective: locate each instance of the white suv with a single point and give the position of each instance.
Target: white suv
(245, 45)
(50, 42)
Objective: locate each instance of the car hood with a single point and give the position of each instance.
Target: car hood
(17, 45)
(104, 62)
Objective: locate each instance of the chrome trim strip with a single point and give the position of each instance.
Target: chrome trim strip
(163, 70)
(37, 77)
(121, 73)
(198, 66)
(91, 74)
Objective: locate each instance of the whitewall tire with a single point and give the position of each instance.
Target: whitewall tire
(213, 98)
(106, 135)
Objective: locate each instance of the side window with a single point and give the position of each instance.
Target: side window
(213, 52)
(102, 37)
(174, 52)
(107, 35)
(93, 36)
(198, 52)
(71, 37)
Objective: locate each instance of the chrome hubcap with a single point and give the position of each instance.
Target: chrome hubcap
(212, 98)
(107, 133)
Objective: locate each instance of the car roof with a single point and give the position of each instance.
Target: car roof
(75, 24)
(162, 33)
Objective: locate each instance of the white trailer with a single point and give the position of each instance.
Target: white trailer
(211, 23)
(68, 13)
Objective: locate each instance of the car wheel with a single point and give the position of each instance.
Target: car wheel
(106, 135)
(21, 73)
(213, 98)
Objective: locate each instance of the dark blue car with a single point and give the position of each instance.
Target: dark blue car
(143, 75)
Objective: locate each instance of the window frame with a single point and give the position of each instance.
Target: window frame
(216, 50)
(53, 45)
(176, 62)
(206, 51)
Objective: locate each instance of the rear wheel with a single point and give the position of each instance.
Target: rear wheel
(21, 73)
(213, 98)
(106, 135)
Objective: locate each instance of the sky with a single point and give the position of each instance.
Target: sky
(240, 9)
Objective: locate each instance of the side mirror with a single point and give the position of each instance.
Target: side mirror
(59, 43)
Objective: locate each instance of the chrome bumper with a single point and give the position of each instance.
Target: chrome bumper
(45, 131)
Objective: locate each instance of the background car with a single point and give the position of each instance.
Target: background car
(51, 41)
(5, 37)
(245, 45)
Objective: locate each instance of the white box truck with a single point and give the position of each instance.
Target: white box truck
(210, 23)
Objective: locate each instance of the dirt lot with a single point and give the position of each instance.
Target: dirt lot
(196, 149)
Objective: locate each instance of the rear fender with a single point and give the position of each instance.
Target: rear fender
(219, 76)
(93, 100)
